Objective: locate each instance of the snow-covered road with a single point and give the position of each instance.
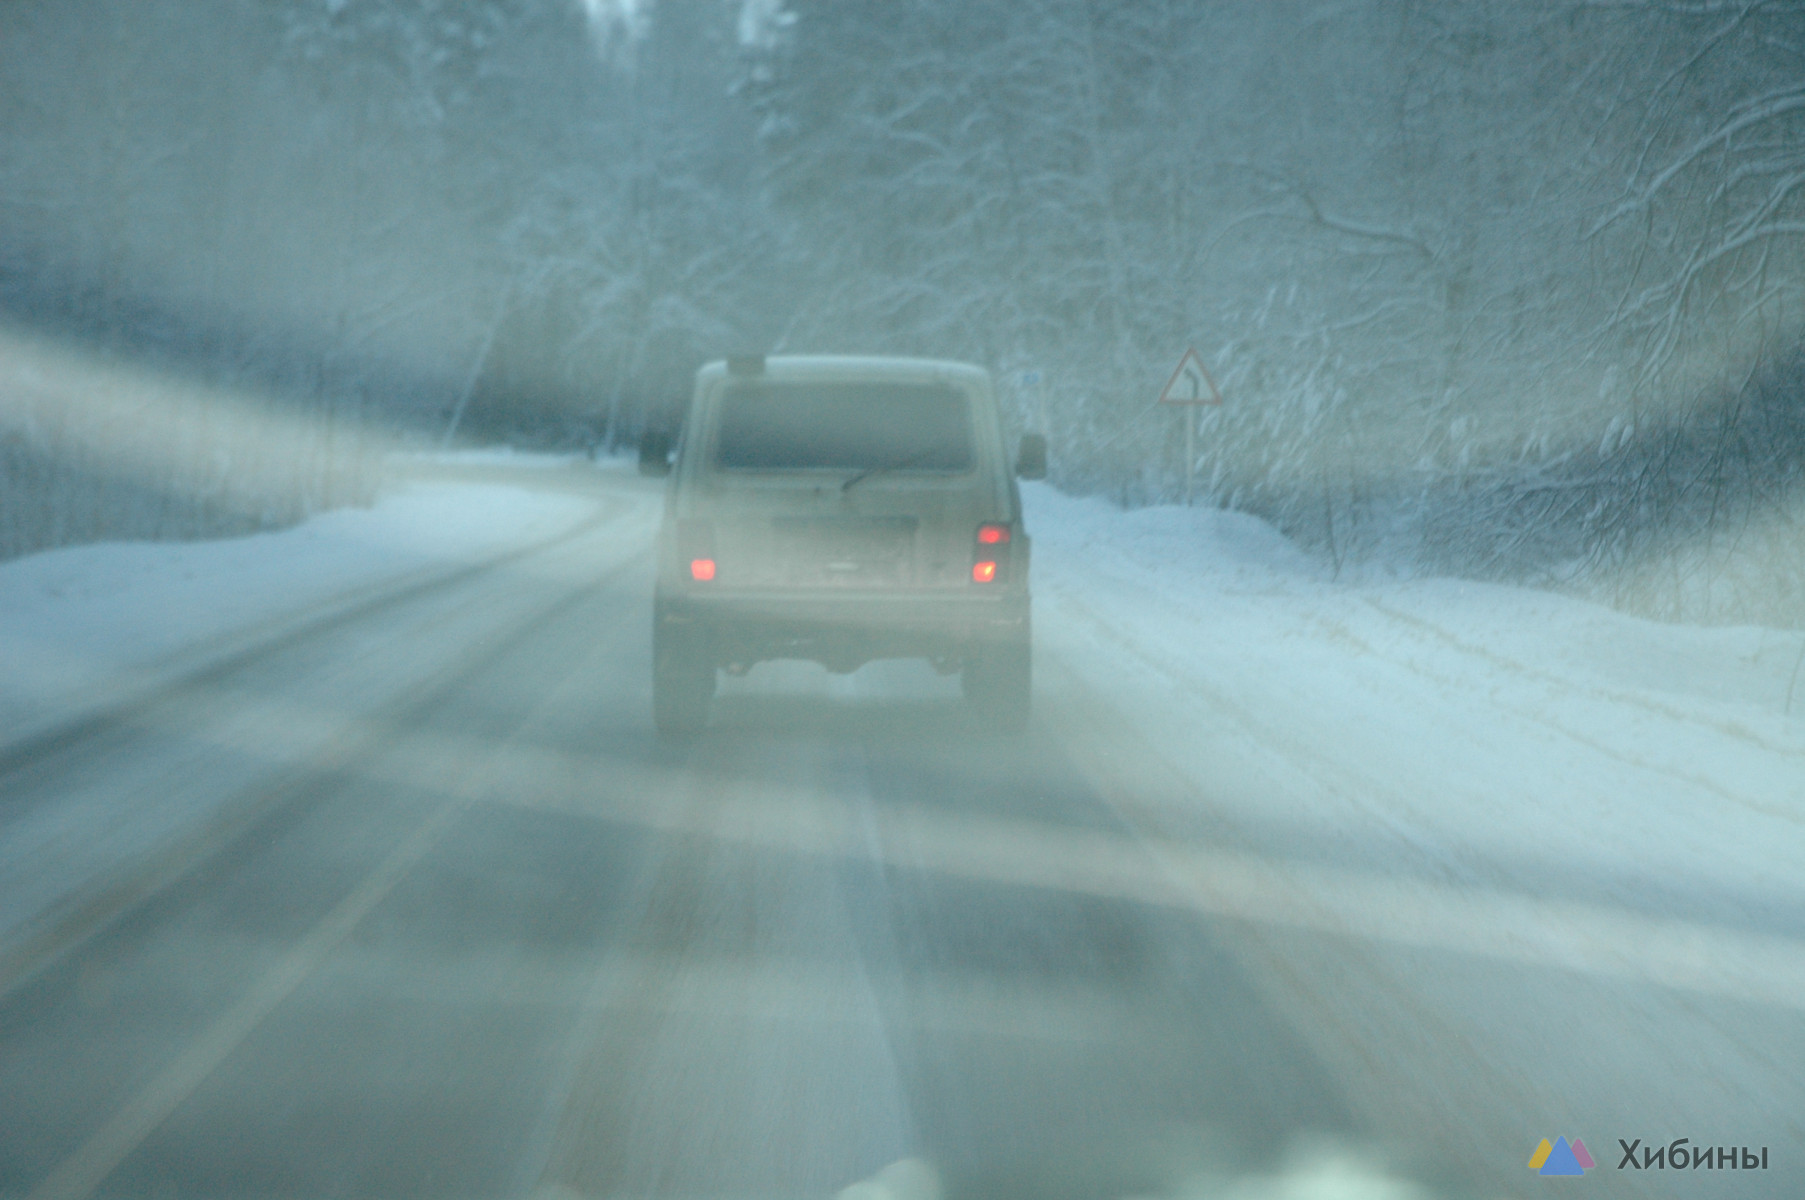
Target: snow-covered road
(1559, 852)
(1490, 864)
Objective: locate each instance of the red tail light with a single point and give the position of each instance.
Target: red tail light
(695, 546)
(988, 557)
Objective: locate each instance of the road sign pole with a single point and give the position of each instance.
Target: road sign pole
(1190, 413)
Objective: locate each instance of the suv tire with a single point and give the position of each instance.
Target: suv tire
(683, 679)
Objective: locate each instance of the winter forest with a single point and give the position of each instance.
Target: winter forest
(1494, 289)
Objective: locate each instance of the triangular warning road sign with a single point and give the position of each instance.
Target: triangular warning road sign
(1190, 384)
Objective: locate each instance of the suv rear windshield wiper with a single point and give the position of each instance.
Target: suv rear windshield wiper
(919, 456)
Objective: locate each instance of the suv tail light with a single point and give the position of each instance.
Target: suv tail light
(990, 557)
(695, 546)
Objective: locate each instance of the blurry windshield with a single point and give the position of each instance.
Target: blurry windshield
(857, 426)
(902, 599)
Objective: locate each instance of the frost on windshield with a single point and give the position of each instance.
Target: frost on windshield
(1356, 800)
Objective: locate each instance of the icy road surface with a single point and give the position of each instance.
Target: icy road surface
(343, 862)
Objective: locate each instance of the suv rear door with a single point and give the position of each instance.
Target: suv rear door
(854, 483)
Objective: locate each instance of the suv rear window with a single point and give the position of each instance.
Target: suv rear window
(848, 426)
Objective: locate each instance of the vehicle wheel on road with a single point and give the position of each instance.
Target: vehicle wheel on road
(683, 677)
(998, 681)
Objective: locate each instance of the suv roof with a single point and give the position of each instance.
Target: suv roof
(824, 366)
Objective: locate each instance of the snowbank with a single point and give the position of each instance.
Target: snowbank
(1173, 553)
(74, 621)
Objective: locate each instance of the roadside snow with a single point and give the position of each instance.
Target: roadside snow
(1477, 706)
(1197, 552)
(74, 621)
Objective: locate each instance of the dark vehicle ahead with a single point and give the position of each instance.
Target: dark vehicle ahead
(842, 510)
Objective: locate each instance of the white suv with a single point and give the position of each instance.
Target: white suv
(841, 510)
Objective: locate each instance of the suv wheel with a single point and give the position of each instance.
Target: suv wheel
(683, 678)
(998, 681)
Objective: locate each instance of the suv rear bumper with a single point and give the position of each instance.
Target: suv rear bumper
(842, 632)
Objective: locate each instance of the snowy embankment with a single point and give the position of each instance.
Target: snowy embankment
(84, 626)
